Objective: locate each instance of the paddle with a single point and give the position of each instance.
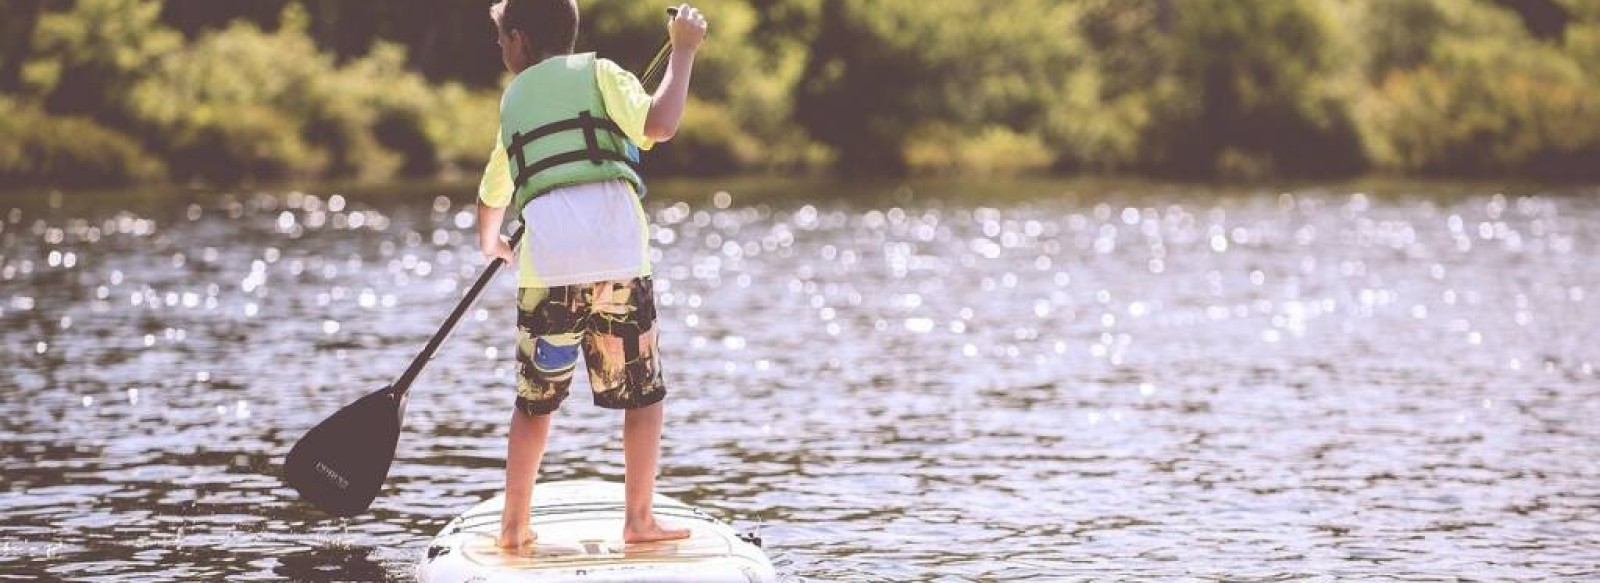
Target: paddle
(340, 464)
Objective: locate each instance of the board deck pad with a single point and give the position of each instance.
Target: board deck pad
(579, 530)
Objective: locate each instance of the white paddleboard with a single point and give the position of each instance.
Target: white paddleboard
(579, 528)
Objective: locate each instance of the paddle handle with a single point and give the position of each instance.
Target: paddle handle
(403, 385)
(658, 64)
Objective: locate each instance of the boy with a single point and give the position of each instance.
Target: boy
(562, 163)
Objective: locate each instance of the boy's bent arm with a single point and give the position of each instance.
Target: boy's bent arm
(688, 30)
(494, 195)
(490, 221)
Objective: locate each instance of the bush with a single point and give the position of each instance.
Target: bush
(1524, 120)
(709, 141)
(1192, 88)
(992, 150)
(1487, 99)
(230, 143)
(882, 71)
(1259, 85)
(68, 151)
(461, 124)
(88, 57)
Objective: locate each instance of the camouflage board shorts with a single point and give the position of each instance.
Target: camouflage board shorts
(611, 322)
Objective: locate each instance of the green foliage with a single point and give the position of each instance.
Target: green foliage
(1194, 88)
(234, 104)
(710, 142)
(1485, 100)
(244, 103)
(882, 74)
(1259, 81)
(992, 150)
(86, 58)
(40, 148)
(16, 39)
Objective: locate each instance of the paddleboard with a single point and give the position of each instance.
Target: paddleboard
(579, 528)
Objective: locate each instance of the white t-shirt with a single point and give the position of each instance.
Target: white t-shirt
(584, 233)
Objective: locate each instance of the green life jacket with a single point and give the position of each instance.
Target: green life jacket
(554, 124)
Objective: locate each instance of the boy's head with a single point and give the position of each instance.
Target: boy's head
(530, 31)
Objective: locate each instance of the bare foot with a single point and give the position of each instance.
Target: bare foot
(651, 530)
(512, 540)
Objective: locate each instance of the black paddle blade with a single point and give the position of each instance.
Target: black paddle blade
(340, 464)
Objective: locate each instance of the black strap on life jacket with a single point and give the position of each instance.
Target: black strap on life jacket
(592, 152)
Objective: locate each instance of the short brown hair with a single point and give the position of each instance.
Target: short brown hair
(550, 25)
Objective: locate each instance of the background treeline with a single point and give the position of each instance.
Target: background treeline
(119, 91)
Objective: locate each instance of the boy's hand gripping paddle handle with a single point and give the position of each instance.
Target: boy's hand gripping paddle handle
(658, 64)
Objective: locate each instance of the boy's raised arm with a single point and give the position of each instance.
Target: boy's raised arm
(688, 30)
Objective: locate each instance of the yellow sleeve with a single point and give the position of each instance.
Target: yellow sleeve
(495, 189)
(626, 101)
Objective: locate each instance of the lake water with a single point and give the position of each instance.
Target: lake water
(1003, 381)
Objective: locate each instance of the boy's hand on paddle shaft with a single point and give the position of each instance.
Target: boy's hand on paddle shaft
(498, 248)
(687, 29)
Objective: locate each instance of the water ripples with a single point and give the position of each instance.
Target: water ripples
(1152, 384)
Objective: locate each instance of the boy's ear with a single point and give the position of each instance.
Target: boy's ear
(519, 39)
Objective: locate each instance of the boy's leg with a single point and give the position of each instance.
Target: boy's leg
(641, 451)
(625, 371)
(529, 434)
(547, 354)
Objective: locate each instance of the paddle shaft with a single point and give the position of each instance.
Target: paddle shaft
(403, 385)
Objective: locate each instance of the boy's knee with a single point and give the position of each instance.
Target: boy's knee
(538, 407)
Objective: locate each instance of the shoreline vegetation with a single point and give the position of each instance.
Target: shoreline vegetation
(783, 190)
(136, 92)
